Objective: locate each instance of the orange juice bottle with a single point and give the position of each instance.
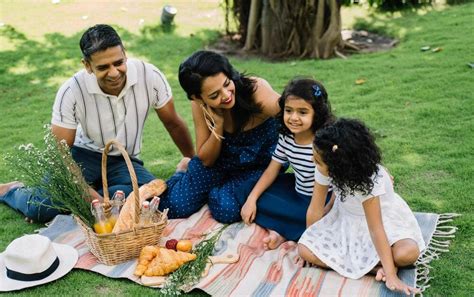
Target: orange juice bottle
(117, 201)
(101, 225)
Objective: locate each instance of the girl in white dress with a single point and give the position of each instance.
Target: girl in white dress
(370, 227)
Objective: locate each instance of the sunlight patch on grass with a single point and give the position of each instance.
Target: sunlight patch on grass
(413, 159)
(6, 44)
(55, 81)
(21, 68)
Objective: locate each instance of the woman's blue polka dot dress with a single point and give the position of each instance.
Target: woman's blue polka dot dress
(244, 156)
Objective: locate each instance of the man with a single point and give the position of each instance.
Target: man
(109, 99)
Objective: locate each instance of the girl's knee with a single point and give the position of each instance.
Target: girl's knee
(405, 252)
(307, 255)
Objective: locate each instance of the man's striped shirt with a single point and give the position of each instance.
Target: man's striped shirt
(98, 117)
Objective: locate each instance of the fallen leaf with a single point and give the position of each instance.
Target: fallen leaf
(437, 49)
(425, 48)
(360, 81)
(471, 65)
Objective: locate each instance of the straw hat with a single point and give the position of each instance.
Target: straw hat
(32, 260)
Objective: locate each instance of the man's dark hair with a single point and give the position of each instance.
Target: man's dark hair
(98, 38)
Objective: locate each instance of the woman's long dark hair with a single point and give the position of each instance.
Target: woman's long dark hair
(313, 92)
(203, 64)
(349, 150)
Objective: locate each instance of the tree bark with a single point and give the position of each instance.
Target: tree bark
(298, 28)
(252, 24)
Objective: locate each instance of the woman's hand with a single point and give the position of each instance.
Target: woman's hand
(216, 114)
(248, 211)
(393, 283)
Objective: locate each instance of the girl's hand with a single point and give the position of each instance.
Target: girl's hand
(393, 283)
(248, 212)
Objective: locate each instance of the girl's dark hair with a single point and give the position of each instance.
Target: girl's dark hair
(306, 88)
(203, 64)
(349, 150)
(98, 38)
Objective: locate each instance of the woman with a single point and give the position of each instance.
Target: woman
(235, 136)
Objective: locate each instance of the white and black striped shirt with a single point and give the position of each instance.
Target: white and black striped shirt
(98, 117)
(300, 158)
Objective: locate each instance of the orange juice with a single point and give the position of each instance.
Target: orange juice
(103, 228)
(112, 220)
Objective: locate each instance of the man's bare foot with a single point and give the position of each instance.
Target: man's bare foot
(273, 240)
(183, 165)
(4, 188)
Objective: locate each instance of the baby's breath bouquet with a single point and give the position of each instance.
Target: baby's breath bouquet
(190, 273)
(50, 171)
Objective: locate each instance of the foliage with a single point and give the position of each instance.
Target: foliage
(190, 273)
(51, 172)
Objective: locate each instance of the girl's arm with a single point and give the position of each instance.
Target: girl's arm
(373, 215)
(320, 190)
(249, 209)
(316, 207)
(208, 146)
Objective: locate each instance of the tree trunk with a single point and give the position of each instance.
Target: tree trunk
(298, 28)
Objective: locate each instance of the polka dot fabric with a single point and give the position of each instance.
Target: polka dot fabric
(244, 156)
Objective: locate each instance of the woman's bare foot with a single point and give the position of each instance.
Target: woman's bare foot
(273, 240)
(4, 188)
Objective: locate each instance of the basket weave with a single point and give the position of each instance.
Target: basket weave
(115, 248)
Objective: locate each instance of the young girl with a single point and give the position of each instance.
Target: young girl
(279, 201)
(369, 224)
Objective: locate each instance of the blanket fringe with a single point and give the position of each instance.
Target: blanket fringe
(438, 244)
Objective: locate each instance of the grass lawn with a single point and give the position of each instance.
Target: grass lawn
(420, 105)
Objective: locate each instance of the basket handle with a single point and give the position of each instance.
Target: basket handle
(131, 171)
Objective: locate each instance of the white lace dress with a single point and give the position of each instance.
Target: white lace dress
(341, 239)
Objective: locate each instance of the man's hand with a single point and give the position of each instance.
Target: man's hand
(183, 165)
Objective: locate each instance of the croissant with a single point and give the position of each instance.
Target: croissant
(167, 261)
(147, 254)
(125, 221)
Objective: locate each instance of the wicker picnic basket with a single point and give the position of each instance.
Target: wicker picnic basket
(115, 248)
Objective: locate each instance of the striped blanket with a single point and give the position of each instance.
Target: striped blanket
(259, 272)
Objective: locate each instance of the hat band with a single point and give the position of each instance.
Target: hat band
(33, 276)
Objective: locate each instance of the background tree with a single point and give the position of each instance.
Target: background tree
(281, 28)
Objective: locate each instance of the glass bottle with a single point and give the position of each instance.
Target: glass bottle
(145, 214)
(117, 201)
(155, 202)
(101, 225)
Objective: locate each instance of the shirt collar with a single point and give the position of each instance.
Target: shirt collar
(93, 86)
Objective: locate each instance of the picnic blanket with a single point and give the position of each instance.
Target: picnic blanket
(260, 272)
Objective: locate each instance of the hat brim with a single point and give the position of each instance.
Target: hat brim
(67, 259)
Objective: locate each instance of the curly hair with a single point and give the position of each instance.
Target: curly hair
(304, 88)
(349, 150)
(202, 64)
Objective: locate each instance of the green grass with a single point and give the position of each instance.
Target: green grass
(420, 104)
